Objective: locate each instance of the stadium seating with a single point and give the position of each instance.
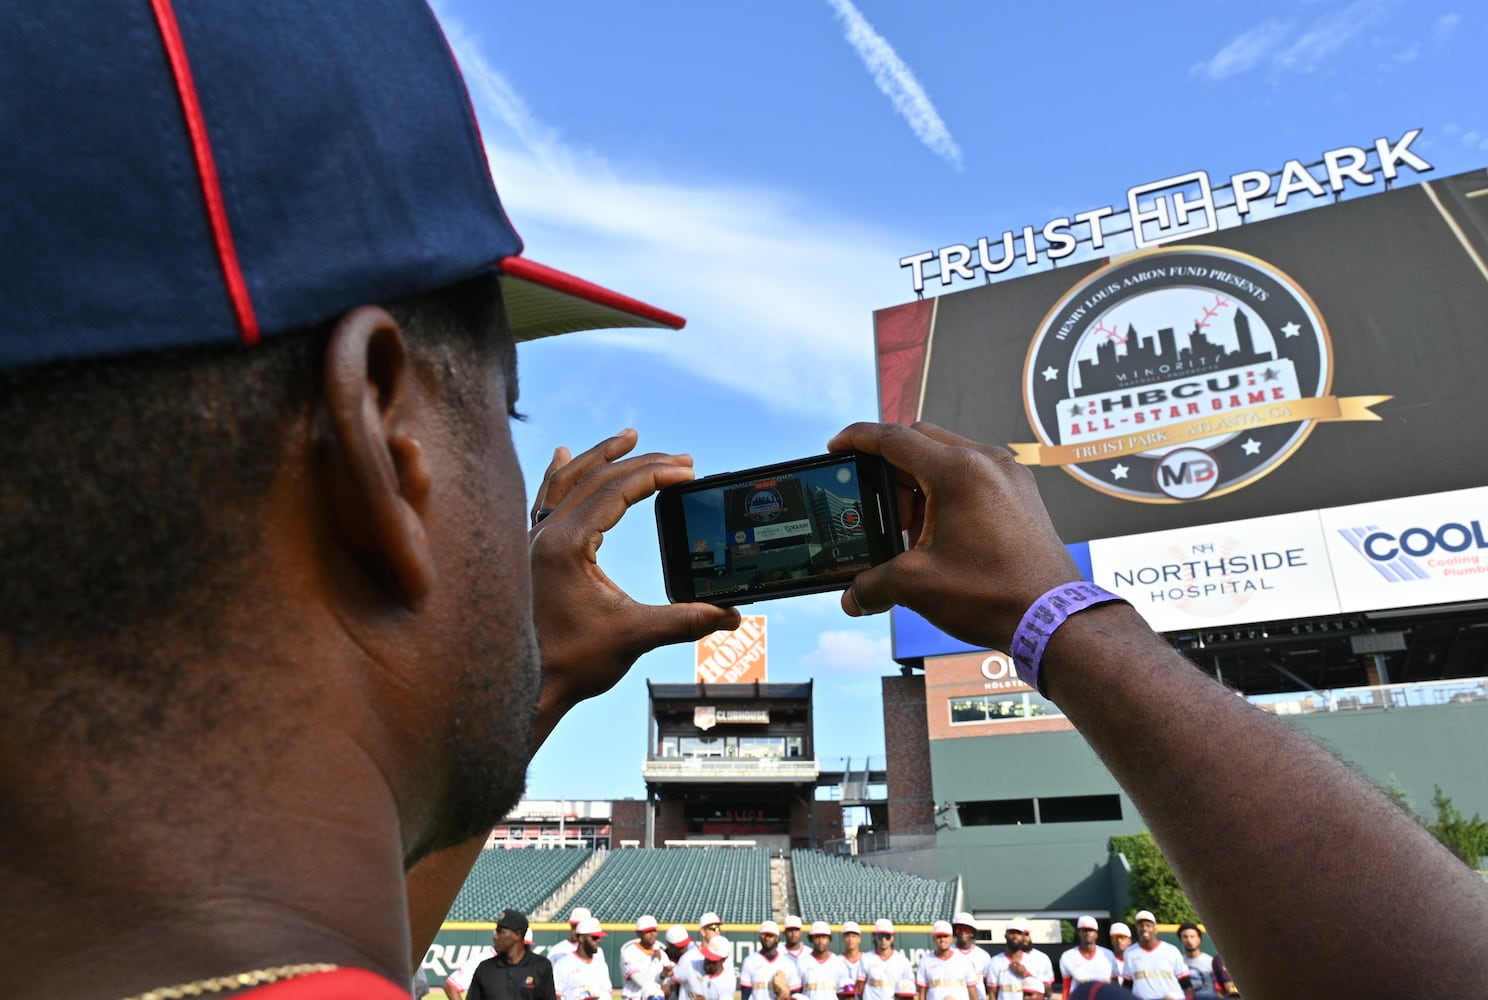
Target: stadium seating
(837, 889)
(679, 885)
(520, 878)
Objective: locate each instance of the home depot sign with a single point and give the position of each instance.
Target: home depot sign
(736, 657)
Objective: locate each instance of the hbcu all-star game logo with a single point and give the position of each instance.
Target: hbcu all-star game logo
(1180, 374)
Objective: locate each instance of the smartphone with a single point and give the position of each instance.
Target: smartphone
(778, 531)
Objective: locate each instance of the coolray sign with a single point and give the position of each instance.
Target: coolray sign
(1179, 374)
(1170, 209)
(1420, 550)
(1263, 569)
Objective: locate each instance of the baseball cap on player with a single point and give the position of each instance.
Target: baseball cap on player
(851, 927)
(883, 926)
(199, 173)
(1118, 929)
(709, 919)
(769, 927)
(792, 922)
(646, 923)
(1145, 915)
(579, 914)
(717, 950)
(591, 927)
(818, 928)
(676, 936)
(514, 921)
(963, 919)
(941, 928)
(527, 937)
(1086, 923)
(1018, 924)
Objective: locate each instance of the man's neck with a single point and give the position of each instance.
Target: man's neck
(1088, 950)
(885, 952)
(247, 875)
(515, 954)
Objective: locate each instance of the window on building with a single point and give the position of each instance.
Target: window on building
(997, 812)
(1079, 808)
(1009, 705)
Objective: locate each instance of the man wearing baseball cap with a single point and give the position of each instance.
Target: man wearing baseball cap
(768, 973)
(793, 946)
(712, 977)
(514, 972)
(256, 372)
(943, 974)
(567, 946)
(710, 925)
(852, 952)
(1087, 962)
(642, 961)
(583, 969)
(1153, 969)
(1120, 940)
(257, 358)
(963, 925)
(822, 970)
(883, 968)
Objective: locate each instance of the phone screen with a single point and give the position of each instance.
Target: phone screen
(787, 529)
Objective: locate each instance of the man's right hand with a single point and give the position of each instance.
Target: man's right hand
(982, 548)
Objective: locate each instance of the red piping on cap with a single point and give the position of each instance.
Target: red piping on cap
(558, 281)
(206, 168)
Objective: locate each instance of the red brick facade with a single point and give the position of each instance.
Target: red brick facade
(907, 746)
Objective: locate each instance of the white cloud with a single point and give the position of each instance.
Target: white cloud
(1445, 26)
(1327, 35)
(1246, 51)
(778, 296)
(846, 651)
(1470, 139)
(1280, 47)
(897, 82)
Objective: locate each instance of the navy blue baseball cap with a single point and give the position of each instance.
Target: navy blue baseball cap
(186, 172)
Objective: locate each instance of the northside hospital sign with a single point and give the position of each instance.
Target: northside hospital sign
(1170, 209)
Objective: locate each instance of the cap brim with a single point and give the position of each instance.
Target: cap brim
(542, 301)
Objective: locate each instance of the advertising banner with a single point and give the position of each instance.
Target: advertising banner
(1262, 569)
(1402, 553)
(1323, 359)
(736, 657)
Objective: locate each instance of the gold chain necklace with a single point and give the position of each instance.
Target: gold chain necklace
(237, 981)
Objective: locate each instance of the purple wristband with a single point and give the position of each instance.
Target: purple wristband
(1044, 617)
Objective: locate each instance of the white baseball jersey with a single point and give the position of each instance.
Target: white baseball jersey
(821, 979)
(564, 947)
(949, 978)
(698, 985)
(855, 965)
(639, 966)
(1003, 982)
(1098, 968)
(462, 976)
(979, 960)
(1158, 973)
(757, 972)
(572, 976)
(880, 976)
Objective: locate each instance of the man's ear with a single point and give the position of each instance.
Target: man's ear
(379, 475)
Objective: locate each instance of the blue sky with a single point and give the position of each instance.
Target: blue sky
(762, 168)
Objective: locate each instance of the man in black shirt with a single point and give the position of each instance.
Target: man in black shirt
(513, 973)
